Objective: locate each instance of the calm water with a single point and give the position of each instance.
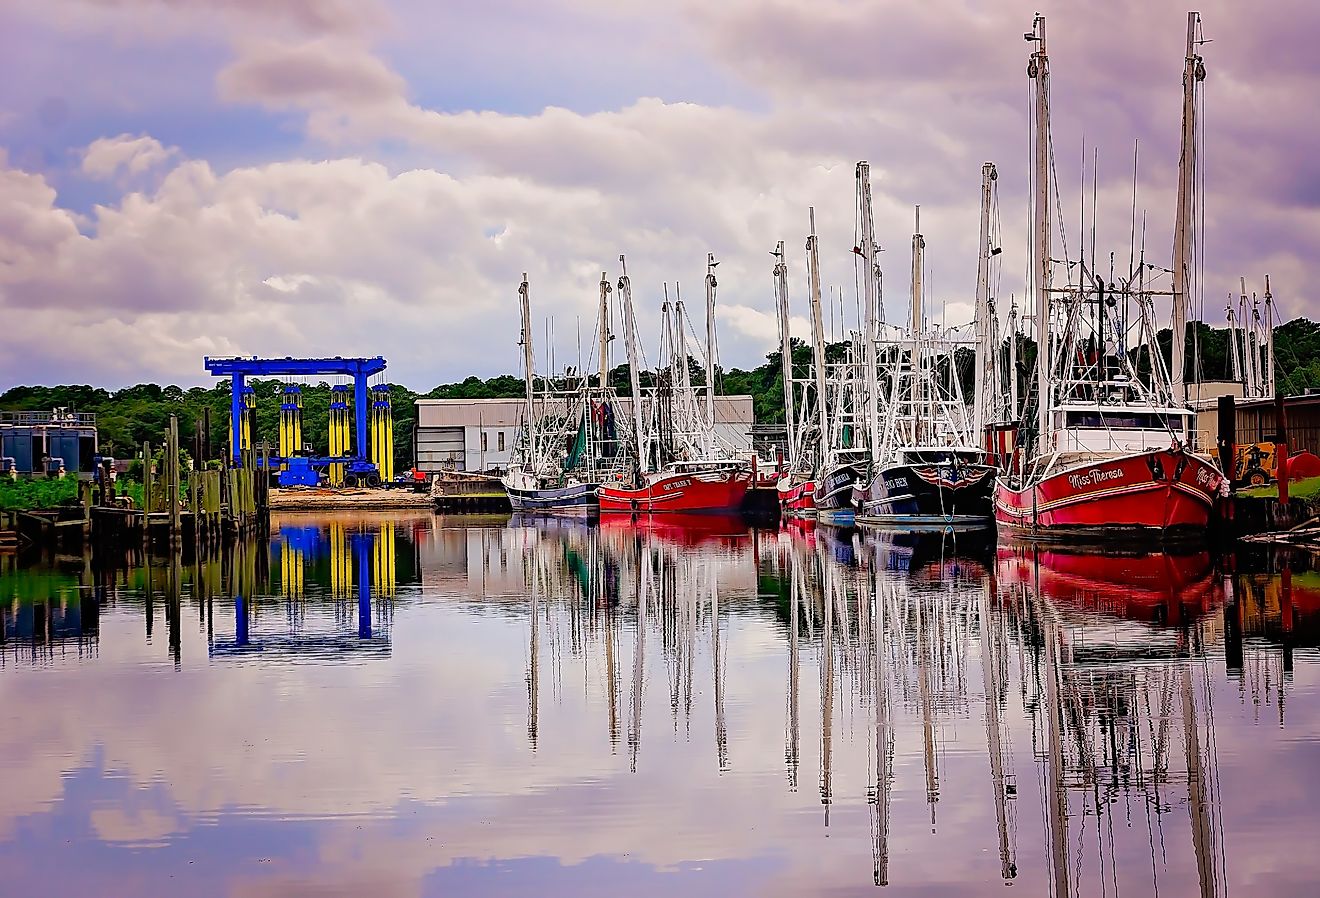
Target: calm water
(426, 706)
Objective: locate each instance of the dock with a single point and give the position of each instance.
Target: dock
(319, 499)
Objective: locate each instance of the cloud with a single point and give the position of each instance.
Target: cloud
(319, 72)
(171, 17)
(108, 157)
(425, 206)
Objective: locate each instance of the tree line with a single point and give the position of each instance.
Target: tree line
(130, 416)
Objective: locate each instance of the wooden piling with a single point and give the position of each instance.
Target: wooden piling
(1281, 447)
(172, 478)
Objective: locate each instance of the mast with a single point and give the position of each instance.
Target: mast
(1269, 339)
(985, 348)
(1193, 72)
(634, 369)
(785, 344)
(529, 372)
(818, 338)
(918, 244)
(710, 352)
(1038, 70)
(663, 410)
(1234, 365)
(684, 370)
(1254, 344)
(605, 336)
(1249, 346)
(918, 316)
(867, 251)
(1015, 413)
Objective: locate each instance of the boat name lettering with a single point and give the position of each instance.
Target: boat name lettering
(1094, 476)
(678, 484)
(896, 483)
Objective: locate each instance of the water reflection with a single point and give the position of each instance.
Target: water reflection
(428, 705)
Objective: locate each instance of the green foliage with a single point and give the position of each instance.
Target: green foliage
(24, 495)
(1308, 488)
(128, 417)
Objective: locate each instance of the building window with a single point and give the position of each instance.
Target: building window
(484, 440)
(501, 441)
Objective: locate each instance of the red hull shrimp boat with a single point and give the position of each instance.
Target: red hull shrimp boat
(1114, 439)
(797, 499)
(691, 470)
(1167, 491)
(682, 488)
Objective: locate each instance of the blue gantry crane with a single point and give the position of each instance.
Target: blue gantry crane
(356, 466)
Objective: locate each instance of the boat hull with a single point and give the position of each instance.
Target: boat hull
(833, 494)
(578, 500)
(933, 495)
(797, 500)
(705, 492)
(1165, 493)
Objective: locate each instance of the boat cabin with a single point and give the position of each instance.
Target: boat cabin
(1094, 429)
(940, 455)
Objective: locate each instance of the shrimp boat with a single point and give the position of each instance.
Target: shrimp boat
(796, 485)
(1113, 449)
(571, 440)
(926, 467)
(683, 465)
(841, 454)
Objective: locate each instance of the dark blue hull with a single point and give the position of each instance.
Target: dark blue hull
(577, 500)
(937, 495)
(834, 493)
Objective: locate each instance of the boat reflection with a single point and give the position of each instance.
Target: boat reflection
(898, 631)
(922, 711)
(1104, 728)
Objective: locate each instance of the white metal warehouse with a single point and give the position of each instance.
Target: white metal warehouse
(478, 434)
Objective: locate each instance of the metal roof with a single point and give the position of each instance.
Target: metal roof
(508, 412)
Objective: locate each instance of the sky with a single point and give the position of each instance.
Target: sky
(184, 178)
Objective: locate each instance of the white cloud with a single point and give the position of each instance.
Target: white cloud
(421, 228)
(108, 157)
(322, 72)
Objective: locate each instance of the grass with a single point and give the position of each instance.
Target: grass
(1298, 489)
(24, 495)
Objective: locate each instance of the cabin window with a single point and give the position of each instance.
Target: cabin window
(1120, 421)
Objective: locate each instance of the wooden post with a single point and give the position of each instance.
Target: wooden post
(147, 479)
(86, 494)
(172, 492)
(1281, 448)
(1228, 437)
